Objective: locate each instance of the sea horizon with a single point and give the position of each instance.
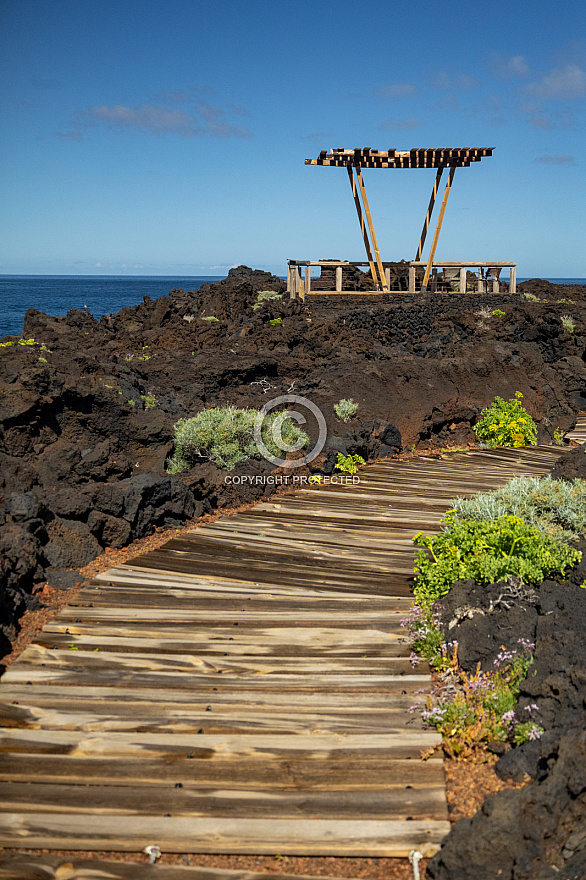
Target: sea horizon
(55, 294)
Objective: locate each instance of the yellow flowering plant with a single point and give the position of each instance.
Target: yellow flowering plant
(506, 423)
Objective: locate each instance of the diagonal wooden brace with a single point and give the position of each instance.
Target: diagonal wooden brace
(434, 192)
(438, 227)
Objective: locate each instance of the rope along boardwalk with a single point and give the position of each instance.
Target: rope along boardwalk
(244, 689)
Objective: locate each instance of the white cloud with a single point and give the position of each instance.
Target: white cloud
(560, 119)
(442, 81)
(399, 124)
(555, 160)
(562, 84)
(541, 121)
(509, 67)
(70, 135)
(317, 136)
(208, 119)
(394, 90)
(146, 117)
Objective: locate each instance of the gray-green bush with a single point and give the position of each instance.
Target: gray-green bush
(226, 436)
(345, 409)
(555, 507)
(265, 296)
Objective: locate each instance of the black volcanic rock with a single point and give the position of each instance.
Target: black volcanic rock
(79, 441)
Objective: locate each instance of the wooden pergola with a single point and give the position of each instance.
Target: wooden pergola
(440, 158)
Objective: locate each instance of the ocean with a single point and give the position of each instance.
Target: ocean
(102, 294)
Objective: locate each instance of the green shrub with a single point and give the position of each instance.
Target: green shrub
(556, 507)
(498, 313)
(531, 297)
(265, 296)
(486, 551)
(345, 409)
(506, 423)
(568, 323)
(226, 436)
(149, 400)
(211, 319)
(349, 464)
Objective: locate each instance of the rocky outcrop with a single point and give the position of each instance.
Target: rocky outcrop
(87, 413)
(536, 832)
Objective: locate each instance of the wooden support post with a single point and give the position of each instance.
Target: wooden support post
(361, 221)
(388, 277)
(381, 271)
(438, 227)
(290, 282)
(463, 275)
(307, 280)
(480, 287)
(513, 280)
(338, 279)
(438, 177)
(412, 271)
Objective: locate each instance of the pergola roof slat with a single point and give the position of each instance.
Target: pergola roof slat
(428, 157)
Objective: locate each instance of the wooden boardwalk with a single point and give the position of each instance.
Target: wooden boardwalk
(578, 434)
(244, 689)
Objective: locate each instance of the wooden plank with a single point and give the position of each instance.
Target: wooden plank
(191, 801)
(235, 666)
(299, 701)
(230, 618)
(76, 713)
(195, 766)
(353, 837)
(83, 674)
(222, 750)
(314, 643)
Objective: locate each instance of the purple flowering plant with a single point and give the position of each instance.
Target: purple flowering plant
(472, 710)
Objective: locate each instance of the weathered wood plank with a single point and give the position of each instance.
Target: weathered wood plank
(83, 675)
(231, 618)
(190, 801)
(353, 837)
(236, 666)
(226, 748)
(73, 713)
(247, 700)
(291, 771)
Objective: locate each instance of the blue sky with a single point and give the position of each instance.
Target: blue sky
(169, 138)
